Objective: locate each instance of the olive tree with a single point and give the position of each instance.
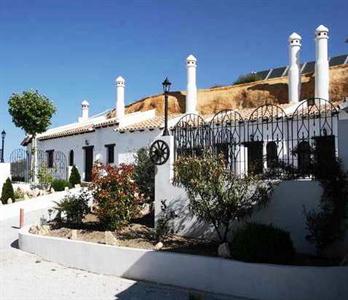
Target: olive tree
(32, 112)
(216, 195)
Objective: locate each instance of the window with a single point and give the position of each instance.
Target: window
(110, 153)
(271, 155)
(304, 158)
(50, 158)
(325, 155)
(255, 161)
(71, 158)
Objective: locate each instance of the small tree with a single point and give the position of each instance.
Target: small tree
(144, 174)
(75, 177)
(7, 192)
(116, 195)
(216, 195)
(32, 112)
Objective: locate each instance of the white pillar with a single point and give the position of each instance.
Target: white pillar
(120, 87)
(321, 63)
(294, 75)
(191, 97)
(85, 109)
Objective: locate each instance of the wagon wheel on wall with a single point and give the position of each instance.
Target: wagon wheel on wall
(159, 152)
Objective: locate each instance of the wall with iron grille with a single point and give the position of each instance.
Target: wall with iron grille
(268, 140)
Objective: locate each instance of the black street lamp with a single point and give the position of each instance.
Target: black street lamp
(3, 135)
(166, 87)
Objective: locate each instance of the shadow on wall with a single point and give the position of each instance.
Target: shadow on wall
(189, 225)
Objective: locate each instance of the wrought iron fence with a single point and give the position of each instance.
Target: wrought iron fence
(266, 141)
(52, 162)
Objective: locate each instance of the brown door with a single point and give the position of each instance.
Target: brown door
(88, 162)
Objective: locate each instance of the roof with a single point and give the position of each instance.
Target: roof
(150, 124)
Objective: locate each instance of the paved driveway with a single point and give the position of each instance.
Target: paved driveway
(26, 277)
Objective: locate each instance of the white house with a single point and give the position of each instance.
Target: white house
(116, 139)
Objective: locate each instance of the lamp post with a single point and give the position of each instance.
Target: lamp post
(166, 87)
(3, 135)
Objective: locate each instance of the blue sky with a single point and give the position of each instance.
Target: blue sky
(73, 50)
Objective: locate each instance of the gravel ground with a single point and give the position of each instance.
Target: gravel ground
(25, 276)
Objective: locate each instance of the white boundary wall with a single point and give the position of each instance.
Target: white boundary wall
(37, 203)
(258, 281)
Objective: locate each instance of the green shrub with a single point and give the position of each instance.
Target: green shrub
(18, 194)
(59, 184)
(144, 174)
(163, 225)
(251, 77)
(72, 209)
(45, 176)
(262, 244)
(75, 177)
(7, 192)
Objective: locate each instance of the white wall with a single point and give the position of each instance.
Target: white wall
(343, 138)
(4, 174)
(284, 210)
(212, 274)
(126, 146)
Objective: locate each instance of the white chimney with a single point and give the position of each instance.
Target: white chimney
(321, 63)
(191, 97)
(294, 75)
(85, 109)
(120, 86)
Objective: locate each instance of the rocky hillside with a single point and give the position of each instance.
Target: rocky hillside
(246, 95)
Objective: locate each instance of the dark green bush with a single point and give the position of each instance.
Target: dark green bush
(262, 244)
(251, 77)
(7, 192)
(59, 184)
(72, 209)
(75, 177)
(144, 174)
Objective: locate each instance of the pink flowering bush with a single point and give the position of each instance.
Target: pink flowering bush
(116, 195)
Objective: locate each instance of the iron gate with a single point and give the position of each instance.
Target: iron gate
(20, 165)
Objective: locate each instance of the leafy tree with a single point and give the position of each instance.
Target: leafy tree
(144, 174)
(32, 112)
(216, 195)
(75, 177)
(7, 191)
